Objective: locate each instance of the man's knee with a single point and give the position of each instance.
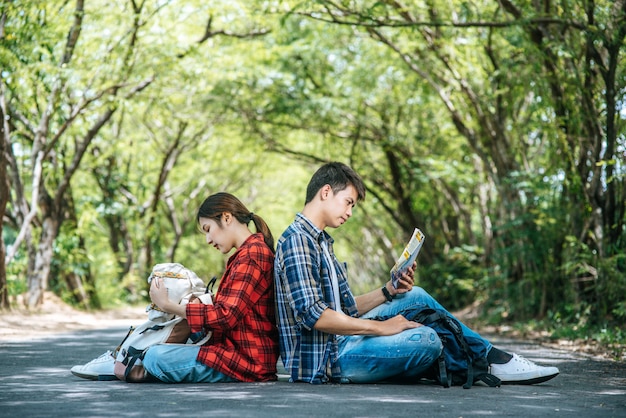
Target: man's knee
(425, 335)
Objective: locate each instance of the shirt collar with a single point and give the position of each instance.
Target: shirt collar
(310, 228)
(256, 237)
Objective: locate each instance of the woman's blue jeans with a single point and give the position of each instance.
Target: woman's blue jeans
(178, 363)
(369, 359)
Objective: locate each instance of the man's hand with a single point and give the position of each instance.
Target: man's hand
(405, 283)
(370, 300)
(395, 325)
(334, 322)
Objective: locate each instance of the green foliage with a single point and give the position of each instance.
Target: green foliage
(490, 138)
(612, 338)
(453, 281)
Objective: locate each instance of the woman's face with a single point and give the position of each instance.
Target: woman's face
(218, 235)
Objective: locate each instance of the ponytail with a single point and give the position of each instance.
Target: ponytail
(262, 227)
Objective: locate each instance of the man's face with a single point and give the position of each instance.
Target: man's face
(339, 206)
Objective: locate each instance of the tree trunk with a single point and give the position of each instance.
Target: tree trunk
(4, 198)
(38, 277)
(74, 284)
(4, 289)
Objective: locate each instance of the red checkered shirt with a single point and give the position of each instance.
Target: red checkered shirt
(244, 344)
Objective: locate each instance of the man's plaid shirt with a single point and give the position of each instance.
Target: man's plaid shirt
(303, 292)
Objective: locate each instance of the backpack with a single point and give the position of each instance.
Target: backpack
(162, 328)
(131, 351)
(463, 360)
(182, 284)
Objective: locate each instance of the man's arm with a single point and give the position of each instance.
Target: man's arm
(333, 322)
(369, 301)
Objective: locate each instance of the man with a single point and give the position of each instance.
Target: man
(325, 333)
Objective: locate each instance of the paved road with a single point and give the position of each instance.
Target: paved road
(35, 381)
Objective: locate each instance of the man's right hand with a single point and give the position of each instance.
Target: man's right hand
(334, 322)
(395, 325)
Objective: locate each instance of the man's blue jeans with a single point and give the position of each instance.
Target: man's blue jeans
(178, 363)
(369, 359)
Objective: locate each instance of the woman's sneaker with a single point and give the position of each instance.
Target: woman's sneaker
(521, 371)
(100, 368)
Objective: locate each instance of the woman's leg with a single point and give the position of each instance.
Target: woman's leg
(177, 363)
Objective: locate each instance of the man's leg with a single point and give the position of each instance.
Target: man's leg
(177, 363)
(369, 359)
(510, 368)
(416, 298)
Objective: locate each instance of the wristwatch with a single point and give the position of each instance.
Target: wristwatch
(387, 294)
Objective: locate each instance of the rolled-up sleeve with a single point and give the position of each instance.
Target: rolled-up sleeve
(302, 271)
(196, 312)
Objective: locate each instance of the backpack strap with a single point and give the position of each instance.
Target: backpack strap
(430, 316)
(491, 380)
(119, 347)
(443, 374)
(134, 354)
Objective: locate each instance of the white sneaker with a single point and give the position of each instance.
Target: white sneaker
(100, 368)
(521, 371)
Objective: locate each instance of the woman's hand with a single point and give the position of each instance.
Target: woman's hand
(158, 294)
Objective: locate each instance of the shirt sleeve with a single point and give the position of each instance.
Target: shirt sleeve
(236, 294)
(302, 266)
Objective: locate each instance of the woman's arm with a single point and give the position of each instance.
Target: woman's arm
(246, 280)
(158, 294)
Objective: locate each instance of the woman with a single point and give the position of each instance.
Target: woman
(244, 344)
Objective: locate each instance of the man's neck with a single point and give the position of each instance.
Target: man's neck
(314, 214)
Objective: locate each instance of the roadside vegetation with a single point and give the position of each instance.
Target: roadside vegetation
(496, 127)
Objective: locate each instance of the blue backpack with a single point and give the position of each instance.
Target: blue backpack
(463, 360)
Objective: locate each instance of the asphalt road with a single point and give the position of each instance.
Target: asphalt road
(35, 381)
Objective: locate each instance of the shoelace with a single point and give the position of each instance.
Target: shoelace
(102, 357)
(524, 361)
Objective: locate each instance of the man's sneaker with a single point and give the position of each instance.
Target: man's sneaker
(521, 371)
(100, 368)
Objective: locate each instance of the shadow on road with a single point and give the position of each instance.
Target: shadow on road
(35, 381)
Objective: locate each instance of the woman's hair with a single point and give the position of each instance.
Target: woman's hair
(339, 176)
(215, 205)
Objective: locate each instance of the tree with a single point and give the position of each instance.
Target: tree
(4, 189)
(504, 113)
(67, 131)
(60, 133)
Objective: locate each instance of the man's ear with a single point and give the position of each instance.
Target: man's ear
(325, 191)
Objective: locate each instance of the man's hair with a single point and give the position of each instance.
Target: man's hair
(339, 176)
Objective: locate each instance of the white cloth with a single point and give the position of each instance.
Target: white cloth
(333, 276)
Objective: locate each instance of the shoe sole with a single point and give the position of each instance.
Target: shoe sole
(102, 377)
(530, 381)
(85, 376)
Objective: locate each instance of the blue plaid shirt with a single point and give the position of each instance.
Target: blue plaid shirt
(303, 291)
